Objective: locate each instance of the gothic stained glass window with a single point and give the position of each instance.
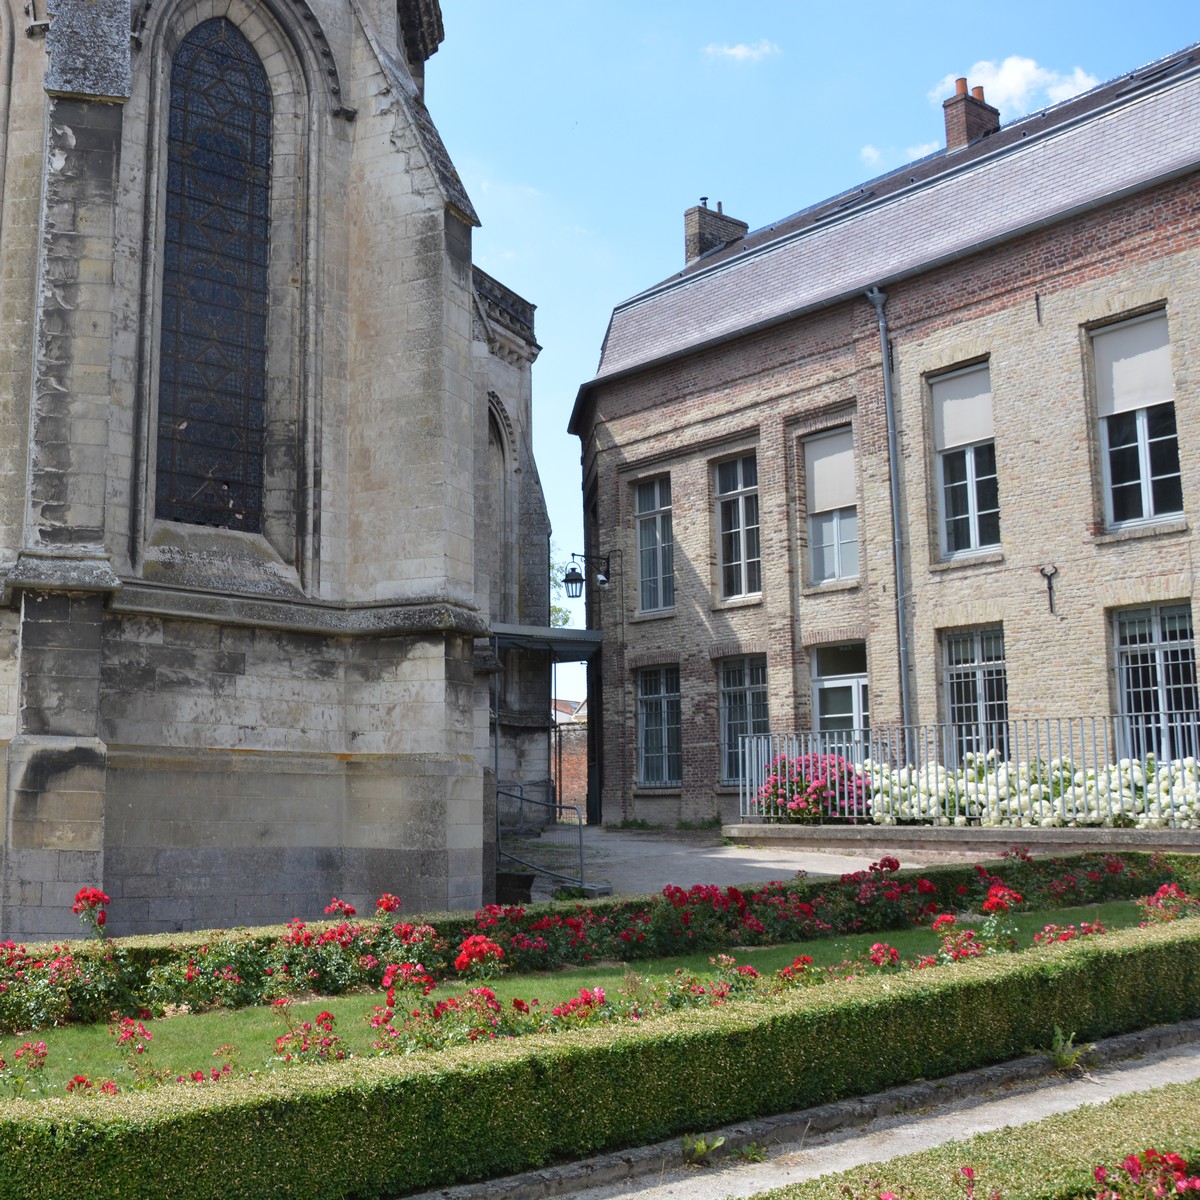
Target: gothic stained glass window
(213, 354)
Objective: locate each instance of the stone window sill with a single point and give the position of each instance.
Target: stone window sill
(737, 602)
(970, 560)
(658, 615)
(1137, 532)
(834, 585)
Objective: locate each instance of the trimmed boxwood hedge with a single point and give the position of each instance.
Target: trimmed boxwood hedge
(371, 1127)
(1050, 1159)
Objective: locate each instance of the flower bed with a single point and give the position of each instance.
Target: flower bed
(43, 986)
(370, 1126)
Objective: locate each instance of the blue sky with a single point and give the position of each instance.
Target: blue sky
(583, 130)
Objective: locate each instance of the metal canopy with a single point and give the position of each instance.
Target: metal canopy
(563, 645)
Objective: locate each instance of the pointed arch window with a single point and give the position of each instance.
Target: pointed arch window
(212, 397)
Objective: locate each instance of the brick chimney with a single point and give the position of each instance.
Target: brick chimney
(968, 116)
(704, 229)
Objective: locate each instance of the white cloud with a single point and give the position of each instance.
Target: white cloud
(743, 51)
(869, 155)
(1018, 85)
(1071, 85)
(912, 153)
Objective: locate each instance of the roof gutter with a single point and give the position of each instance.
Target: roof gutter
(878, 299)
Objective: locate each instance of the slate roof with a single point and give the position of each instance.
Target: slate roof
(1124, 135)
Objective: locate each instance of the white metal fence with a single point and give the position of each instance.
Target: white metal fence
(1069, 771)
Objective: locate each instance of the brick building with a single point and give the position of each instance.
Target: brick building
(267, 488)
(974, 383)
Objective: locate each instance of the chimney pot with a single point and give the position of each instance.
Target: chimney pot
(968, 116)
(720, 207)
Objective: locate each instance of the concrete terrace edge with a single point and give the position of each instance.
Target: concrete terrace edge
(955, 842)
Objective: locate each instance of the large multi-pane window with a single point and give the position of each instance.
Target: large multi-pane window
(832, 506)
(976, 691)
(1156, 681)
(656, 545)
(213, 358)
(743, 703)
(1135, 398)
(737, 504)
(969, 497)
(660, 753)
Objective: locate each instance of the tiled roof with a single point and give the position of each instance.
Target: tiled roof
(1119, 137)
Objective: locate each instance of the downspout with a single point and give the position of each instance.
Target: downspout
(496, 713)
(878, 299)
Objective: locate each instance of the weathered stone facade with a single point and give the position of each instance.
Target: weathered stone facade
(1009, 253)
(221, 723)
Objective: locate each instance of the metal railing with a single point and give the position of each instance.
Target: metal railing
(1135, 772)
(541, 835)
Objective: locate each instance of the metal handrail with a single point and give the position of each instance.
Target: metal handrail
(552, 814)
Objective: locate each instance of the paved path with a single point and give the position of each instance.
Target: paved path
(638, 863)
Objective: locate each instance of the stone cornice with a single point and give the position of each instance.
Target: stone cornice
(61, 571)
(301, 616)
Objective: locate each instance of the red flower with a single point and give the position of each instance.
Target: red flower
(1000, 899)
(340, 908)
(387, 903)
(89, 897)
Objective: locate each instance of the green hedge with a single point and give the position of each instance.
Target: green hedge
(1051, 1159)
(375, 1126)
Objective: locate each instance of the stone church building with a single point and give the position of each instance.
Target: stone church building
(266, 449)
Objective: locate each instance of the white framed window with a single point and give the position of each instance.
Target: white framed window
(841, 700)
(1156, 681)
(964, 438)
(659, 737)
(737, 510)
(832, 506)
(976, 683)
(742, 685)
(656, 545)
(1135, 400)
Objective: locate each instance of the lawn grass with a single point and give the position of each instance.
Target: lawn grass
(183, 1044)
